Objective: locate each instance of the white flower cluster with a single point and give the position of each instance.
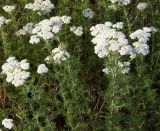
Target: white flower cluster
(77, 30)
(88, 13)
(108, 39)
(26, 29)
(106, 70)
(34, 39)
(58, 55)
(16, 71)
(46, 28)
(143, 36)
(41, 6)
(124, 67)
(8, 123)
(113, 7)
(8, 8)
(42, 69)
(3, 21)
(142, 6)
(124, 2)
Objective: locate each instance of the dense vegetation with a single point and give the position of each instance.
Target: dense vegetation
(77, 94)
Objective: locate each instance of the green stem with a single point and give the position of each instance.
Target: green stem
(5, 46)
(127, 20)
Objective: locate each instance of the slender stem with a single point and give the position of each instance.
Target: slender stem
(127, 20)
(4, 42)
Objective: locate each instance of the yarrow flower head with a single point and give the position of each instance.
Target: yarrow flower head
(58, 56)
(26, 29)
(34, 39)
(42, 69)
(41, 6)
(16, 71)
(142, 6)
(124, 2)
(8, 8)
(143, 36)
(65, 19)
(45, 29)
(88, 13)
(106, 70)
(3, 21)
(8, 123)
(77, 30)
(108, 39)
(124, 67)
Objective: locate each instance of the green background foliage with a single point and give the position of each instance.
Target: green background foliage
(76, 95)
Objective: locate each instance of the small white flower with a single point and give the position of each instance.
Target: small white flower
(41, 6)
(24, 64)
(72, 28)
(8, 123)
(150, 29)
(42, 69)
(26, 29)
(16, 71)
(142, 6)
(77, 30)
(124, 67)
(58, 56)
(88, 13)
(3, 21)
(34, 39)
(118, 25)
(56, 29)
(66, 19)
(10, 59)
(108, 24)
(8, 8)
(141, 48)
(124, 2)
(127, 50)
(21, 32)
(143, 36)
(106, 70)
